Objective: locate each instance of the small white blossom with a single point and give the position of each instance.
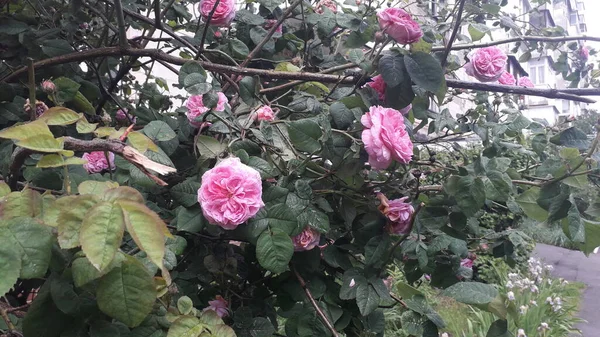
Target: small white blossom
(510, 295)
(534, 289)
(509, 285)
(543, 327)
(521, 333)
(513, 276)
(549, 300)
(523, 309)
(556, 308)
(549, 267)
(565, 282)
(557, 301)
(534, 303)
(445, 334)
(352, 283)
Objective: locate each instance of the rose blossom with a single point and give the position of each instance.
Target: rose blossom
(230, 193)
(467, 263)
(97, 161)
(223, 14)
(265, 113)
(385, 137)
(40, 107)
(307, 240)
(525, 82)
(487, 64)
(327, 3)
(507, 79)
(584, 53)
(399, 25)
(196, 107)
(388, 282)
(48, 87)
(378, 84)
(123, 116)
(218, 305)
(398, 213)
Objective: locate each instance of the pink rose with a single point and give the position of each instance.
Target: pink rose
(219, 305)
(97, 161)
(467, 263)
(525, 82)
(385, 137)
(230, 193)
(223, 14)
(388, 282)
(307, 240)
(196, 107)
(507, 79)
(327, 3)
(270, 23)
(48, 87)
(487, 64)
(398, 212)
(123, 116)
(378, 84)
(265, 113)
(584, 53)
(399, 25)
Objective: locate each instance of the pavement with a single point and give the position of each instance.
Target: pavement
(574, 266)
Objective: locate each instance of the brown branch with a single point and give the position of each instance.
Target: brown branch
(117, 147)
(569, 94)
(314, 304)
(4, 315)
(454, 32)
(205, 30)
(526, 182)
(295, 83)
(431, 188)
(123, 42)
(520, 39)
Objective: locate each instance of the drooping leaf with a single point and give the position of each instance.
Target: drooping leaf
(95, 187)
(528, 202)
(101, 233)
(84, 272)
(392, 69)
(119, 193)
(10, 264)
(425, 71)
(472, 292)
(73, 211)
(209, 147)
(186, 192)
(367, 298)
(468, 191)
(27, 203)
(498, 329)
(31, 241)
(159, 131)
(186, 326)
(59, 116)
(127, 292)
(57, 160)
(305, 135)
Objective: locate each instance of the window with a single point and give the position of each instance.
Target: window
(573, 18)
(582, 27)
(537, 73)
(566, 106)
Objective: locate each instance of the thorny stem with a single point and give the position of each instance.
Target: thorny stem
(314, 304)
(32, 99)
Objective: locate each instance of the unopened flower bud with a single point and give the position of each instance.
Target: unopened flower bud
(379, 37)
(218, 34)
(358, 2)
(48, 87)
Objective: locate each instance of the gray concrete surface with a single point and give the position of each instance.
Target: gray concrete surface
(574, 266)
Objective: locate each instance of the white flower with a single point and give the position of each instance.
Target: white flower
(523, 309)
(557, 301)
(543, 327)
(534, 289)
(549, 267)
(556, 308)
(352, 283)
(534, 303)
(445, 334)
(549, 300)
(521, 333)
(513, 276)
(565, 282)
(510, 295)
(509, 285)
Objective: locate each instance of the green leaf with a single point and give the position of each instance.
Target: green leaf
(123, 193)
(478, 31)
(159, 131)
(305, 135)
(407, 291)
(95, 187)
(432, 217)
(42, 143)
(209, 147)
(592, 236)
(73, 211)
(238, 49)
(315, 219)
(247, 17)
(12, 27)
(56, 47)
(471, 292)
(186, 193)
(249, 90)
(31, 241)
(127, 293)
(498, 329)
(66, 89)
(146, 228)
(468, 191)
(342, 116)
(274, 250)
(186, 326)
(392, 69)
(528, 202)
(190, 220)
(367, 298)
(571, 137)
(270, 4)
(185, 305)
(83, 126)
(262, 166)
(59, 116)
(84, 272)
(192, 77)
(425, 71)
(376, 249)
(57, 160)
(101, 233)
(10, 264)
(27, 130)
(4, 189)
(280, 217)
(27, 203)
(498, 186)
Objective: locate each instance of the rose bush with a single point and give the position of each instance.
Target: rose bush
(201, 199)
